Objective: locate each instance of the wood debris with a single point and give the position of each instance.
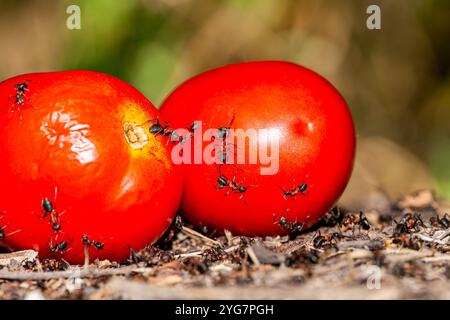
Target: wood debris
(409, 250)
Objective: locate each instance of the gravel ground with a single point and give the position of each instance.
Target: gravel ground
(400, 254)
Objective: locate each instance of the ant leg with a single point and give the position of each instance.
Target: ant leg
(274, 220)
(219, 169)
(286, 193)
(11, 110)
(167, 125)
(61, 213)
(55, 194)
(35, 108)
(228, 192)
(232, 120)
(150, 120)
(144, 123)
(14, 232)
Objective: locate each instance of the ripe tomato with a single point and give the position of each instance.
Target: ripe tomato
(303, 112)
(75, 160)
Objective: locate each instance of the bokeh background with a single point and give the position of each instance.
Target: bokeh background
(396, 80)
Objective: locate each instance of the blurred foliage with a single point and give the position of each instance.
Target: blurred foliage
(396, 80)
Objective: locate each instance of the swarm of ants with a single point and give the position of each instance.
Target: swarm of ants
(209, 258)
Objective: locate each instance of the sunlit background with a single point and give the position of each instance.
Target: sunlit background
(396, 80)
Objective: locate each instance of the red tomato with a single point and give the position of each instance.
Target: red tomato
(305, 114)
(76, 161)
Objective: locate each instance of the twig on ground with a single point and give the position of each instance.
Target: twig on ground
(74, 273)
(192, 233)
(253, 257)
(199, 253)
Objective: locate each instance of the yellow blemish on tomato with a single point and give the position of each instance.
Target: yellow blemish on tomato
(135, 135)
(140, 142)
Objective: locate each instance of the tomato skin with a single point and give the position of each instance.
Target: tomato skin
(69, 136)
(317, 144)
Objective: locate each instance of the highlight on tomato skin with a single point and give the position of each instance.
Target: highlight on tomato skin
(311, 124)
(79, 169)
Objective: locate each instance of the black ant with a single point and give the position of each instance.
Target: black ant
(192, 127)
(87, 242)
(406, 241)
(232, 185)
(293, 227)
(223, 132)
(160, 129)
(321, 241)
(20, 88)
(18, 99)
(59, 247)
(408, 223)
(224, 152)
(444, 221)
(302, 188)
(351, 220)
(333, 217)
(49, 210)
(300, 257)
(56, 246)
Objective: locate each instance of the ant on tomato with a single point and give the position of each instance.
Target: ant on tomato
(223, 132)
(224, 152)
(159, 127)
(191, 128)
(232, 185)
(49, 210)
(56, 246)
(18, 99)
(87, 242)
(222, 135)
(22, 87)
(19, 96)
(194, 126)
(295, 190)
(59, 247)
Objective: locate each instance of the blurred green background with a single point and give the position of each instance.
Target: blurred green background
(396, 80)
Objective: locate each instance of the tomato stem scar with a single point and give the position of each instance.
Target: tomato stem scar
(135, 135)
